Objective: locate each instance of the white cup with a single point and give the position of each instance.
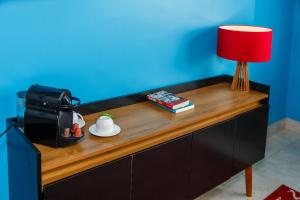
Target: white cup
(104, 125)
(76, 117)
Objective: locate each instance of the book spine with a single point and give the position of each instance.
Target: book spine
(164, 107)
(188, 107)
(160, 102)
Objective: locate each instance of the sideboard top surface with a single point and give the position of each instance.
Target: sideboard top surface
(144, 125)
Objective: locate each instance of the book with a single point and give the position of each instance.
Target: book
(168, 99)
(179, 110)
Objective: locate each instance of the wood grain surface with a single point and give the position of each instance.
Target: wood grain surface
(144, 125)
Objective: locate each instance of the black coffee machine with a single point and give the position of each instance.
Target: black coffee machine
(49, 116)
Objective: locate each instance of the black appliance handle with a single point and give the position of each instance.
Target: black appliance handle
(72, 105)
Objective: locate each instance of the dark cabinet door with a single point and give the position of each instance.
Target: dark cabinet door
(162, 172)
(111, 181)
(212, 150)
(23, 166)
(251, 133)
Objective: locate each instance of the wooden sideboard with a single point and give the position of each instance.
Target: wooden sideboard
(158, 154)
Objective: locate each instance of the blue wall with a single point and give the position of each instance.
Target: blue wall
(100, 49)
(293, 108)
(275, 72)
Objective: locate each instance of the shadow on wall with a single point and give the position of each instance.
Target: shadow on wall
(198, 51)
(202, 45)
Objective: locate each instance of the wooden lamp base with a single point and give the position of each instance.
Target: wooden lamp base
(240, 79)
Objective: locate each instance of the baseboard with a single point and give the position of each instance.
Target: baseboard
(283, 124)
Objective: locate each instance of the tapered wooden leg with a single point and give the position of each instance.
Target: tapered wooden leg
(248, 178)
(247, 77)
(240, 80)
(235, 81)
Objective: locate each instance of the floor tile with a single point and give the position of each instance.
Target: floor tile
(292, 132)
(276, 143)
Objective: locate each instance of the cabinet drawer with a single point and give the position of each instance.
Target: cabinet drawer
(107, 182)
(251, 133)
(162, 172)
(212, 151)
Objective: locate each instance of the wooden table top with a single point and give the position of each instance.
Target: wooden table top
(144, 125)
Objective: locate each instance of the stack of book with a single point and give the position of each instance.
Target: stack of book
(170, 102)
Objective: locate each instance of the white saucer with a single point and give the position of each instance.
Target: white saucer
(116, 131)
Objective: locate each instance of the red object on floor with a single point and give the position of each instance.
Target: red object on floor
(284, 193)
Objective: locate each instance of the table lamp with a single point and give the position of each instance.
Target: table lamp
(244, 44)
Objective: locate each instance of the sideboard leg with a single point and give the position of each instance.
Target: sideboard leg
(248, 178)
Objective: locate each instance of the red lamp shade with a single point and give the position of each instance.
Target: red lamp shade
(245, 43)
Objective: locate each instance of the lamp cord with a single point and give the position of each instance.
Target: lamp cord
(3, 133)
